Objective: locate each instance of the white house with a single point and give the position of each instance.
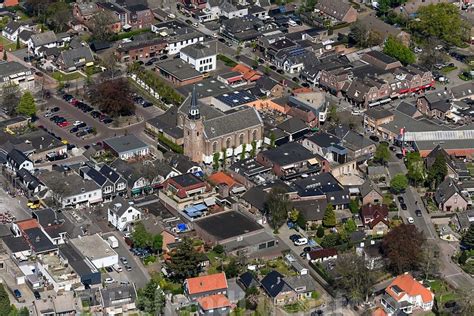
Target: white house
(321, 255)
(122, 213)
(16, 160)
(12, 72)
(231, 11)
(127, 147)
(405, 294)
(202, 57)
(47, 39)
(186, 37)
(12, 29)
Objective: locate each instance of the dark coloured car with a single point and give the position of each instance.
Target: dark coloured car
(303, 254)
(295, 79)
(109, 269)
(294, 237)
(403, 206)
(55, 109)
(163, 57)
(220, 39)
(75, 129)
(82, 125)
(374, 138)
(17, 293)
(188, 21)
(400, 199)
(89, 130)
(273, 67)
(280, 71)
(37, 295)
(305, 84)
(261, 61)
(81, 133)
(418, 213)
(147, 104)
(52, 118)
(95, 114)
(67, 97)
(109, 120)
(307, 249)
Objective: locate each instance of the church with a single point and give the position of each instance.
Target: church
(207, 130)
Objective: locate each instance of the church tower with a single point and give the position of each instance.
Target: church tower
(193, 131)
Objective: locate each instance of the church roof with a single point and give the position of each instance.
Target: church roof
(231, 123)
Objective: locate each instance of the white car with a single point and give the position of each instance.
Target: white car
(77, 123)
(301, 242)
(108, 280)
(410, 220)
(48, 114)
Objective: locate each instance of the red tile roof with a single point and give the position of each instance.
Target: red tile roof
(213, 301)
(372, 210)
(27, 224)
(222, 178)
(207, 283)
(322, 253)
(377, 220)
(409, 286)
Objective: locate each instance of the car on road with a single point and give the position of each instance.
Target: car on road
(410, 220)
(17, 293)
(123, 260)
(37, 295)
(64, 124)
(128, 268)
(108, 280)
(400, 199)
(403, 206)
(301, 241)
(418, 213)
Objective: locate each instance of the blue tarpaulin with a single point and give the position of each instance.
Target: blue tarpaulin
(182, 227)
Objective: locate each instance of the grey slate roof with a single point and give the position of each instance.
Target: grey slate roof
(77, 57)
(109, 173)
(8, 68)
(334, 8)
(126, 143)
(119, 205)
(25, 35)
(43, 38)
(179, 69)
(288, 154)
(230, 123)
(369, 186)
(16, 157)
(16, 244)
(200, 50)
(11, 27)
(446, 190)
(118, 295)
(300, 282)
(292, 125)
(73, 182)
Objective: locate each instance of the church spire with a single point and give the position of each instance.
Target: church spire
(194, 109)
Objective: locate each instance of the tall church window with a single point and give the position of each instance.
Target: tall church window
(214, 147)
(227, 143)
(254, 135)
(241, 139)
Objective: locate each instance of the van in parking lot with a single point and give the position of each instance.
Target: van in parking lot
(117, 268)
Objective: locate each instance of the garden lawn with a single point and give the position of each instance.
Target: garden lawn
(59, 76)
(442, 292)
(8, 45)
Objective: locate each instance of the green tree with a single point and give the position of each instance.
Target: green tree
(301, 220)
(399, 183)
(244, 152)
(185, 261)
(5, 306)
(232, 269)
(140, 237)
(350, 226)
(331, 240)
(277, 207)
(293, 215)
(253, 151)
(332, 115)
(150, 299)
(219, 249)
(10, 98)
(320, 232)
(463, 257)
(395, 48)
(382, 153)
(354, 206)
(27, 105)
(416, 167)
(157, 243)
(354, 276)
(272, 140)
(438, 171)
(329, 219)
(441, 20)
(215, 161)
(468, 239)
(224, 157)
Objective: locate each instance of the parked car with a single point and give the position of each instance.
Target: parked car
(64, 124)
(109, 269)
(400, 199)
(410, 220)
(81, 133)
(301, 241)
(163, 57)
(17, 293)
(418, 213)
(37, 295)
(128, 268)
(123, 260)
(76, 123)
(95, 114)
(67, 97)
(75, 129)
(82, 125)
(374, 138)
(55, 109)
(295, 237)
(108, 280)
(107, 120)
(403, 206)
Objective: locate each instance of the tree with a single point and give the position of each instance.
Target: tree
(244, 151)
(329, 219)
(110, 63)
(301, 220)
(441, 20)
(356, 280)
(382, 153)
(151, 299)
(114, 97)
(277, 207)
(395, 48)
(10, 98)
(185, 261)
(101, 25)
(320, 232)
(332, 115)
(253, 151)
(18, 42)
(429, 263)
(331, 240)
(27, 105)
(272, 140)
(5, 306)
(468, 239)
(140, 237)
(398, 183)
(438, 171)
(293, 215)
(354, 206)
(157, 243)
(350, 226)
(59, 15)
(215, 161)
(403, 247)
(219, 249)
(416, 167)
(232, 269)
(364, 37)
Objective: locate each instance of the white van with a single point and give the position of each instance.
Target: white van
(301, 242)
(117, 268)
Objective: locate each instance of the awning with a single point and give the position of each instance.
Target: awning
(238, 189)
(210, 201)
(354, 190)
(313, 161)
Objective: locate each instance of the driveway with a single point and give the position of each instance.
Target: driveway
(139, 275)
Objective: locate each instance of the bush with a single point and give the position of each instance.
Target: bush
(219, 249)
(168, 142)
(226, 60)
(124, 35)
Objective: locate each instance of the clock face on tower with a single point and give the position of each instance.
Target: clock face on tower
(192, 125)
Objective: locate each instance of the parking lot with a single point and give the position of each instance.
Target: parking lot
(138, 275)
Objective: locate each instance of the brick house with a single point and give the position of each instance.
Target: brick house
(206, 285)
(371, 212)
(379, 226)
(277, 289)
(368, 91)
(448, 197)
(85, 11)
(370, 193)
(381, 60)
(140, 50)
(333, 80)
(435, 105)
(139, 16)
(337, 10)
(374, 118)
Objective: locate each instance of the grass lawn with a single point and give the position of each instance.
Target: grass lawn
(470, 167)
(59, 76)
(8, 45)
(448, 69)
(442, 292)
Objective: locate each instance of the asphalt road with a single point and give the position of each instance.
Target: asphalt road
(139, 275)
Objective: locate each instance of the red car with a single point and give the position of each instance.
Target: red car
(74, 102)
(64, 124)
